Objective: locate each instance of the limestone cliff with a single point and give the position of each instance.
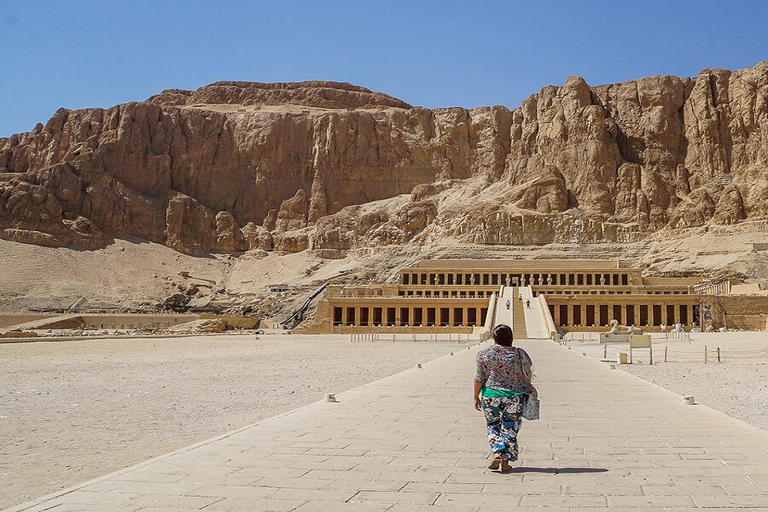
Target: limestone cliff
(236, 166)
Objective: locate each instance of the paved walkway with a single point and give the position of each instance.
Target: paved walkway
(606, 441)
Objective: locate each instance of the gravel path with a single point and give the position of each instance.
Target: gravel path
(73, 411)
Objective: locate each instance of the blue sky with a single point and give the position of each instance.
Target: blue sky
(80, 54)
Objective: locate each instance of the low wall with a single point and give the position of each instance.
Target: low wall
(747, 322)
(237, 322)
(9, 320)
(128, 321)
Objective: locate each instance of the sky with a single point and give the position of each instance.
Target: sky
(82, 54)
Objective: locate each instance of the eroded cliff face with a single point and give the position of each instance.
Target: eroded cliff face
(236, 166)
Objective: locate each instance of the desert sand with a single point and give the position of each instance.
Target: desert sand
(72, 411)
(737, 385)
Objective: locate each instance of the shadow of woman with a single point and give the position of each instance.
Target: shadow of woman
(558, 471)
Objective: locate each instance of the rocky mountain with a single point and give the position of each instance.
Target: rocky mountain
(236, 166)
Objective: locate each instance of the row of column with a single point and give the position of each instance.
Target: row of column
(519, 279)
(409, 316)
(625, 314)
(442, 293)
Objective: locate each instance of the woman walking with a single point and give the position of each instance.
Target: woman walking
(503, 379)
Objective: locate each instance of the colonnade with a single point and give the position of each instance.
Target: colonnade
(411, 278)
(456, 316)
(437, 293)
(601, 314)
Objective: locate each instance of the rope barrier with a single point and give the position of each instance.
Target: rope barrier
(704, 354)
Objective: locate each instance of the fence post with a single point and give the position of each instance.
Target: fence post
(605, 351)
(705, 354)
(718, 354)
(665, 353)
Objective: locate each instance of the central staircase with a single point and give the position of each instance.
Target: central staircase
(518, 315)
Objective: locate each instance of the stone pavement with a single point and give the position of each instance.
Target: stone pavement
(606, 441)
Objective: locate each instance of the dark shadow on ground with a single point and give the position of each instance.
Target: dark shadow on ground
(557, 471)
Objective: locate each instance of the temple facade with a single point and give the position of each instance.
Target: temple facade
(455, 295)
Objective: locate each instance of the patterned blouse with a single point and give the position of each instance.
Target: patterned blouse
(505, 369)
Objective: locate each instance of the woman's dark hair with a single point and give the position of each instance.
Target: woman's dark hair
(502, 335)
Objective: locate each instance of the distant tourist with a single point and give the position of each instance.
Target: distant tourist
(502, 381)
(528, 303)
(507, 304)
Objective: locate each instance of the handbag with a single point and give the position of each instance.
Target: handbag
(530, 408)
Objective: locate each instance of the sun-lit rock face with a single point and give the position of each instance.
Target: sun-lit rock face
(235, 166)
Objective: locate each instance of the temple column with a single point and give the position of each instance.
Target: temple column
(636, 320)
(664, 318)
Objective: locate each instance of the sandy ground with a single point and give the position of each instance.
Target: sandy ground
(130, 274)
(72, 411)
(737, 385)
(134, 274)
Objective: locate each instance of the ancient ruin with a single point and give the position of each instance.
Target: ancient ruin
(456, 295)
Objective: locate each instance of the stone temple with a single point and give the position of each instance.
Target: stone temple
(437, 296)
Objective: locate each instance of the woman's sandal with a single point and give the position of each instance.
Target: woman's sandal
(495, 463)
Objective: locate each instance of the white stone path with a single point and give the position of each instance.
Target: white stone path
(606, 441)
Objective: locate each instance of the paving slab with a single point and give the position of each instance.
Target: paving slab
(606, 441)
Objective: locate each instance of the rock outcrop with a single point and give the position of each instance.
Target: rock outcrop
(236, 166)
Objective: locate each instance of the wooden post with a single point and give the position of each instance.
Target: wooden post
(650, 354)
(718, 354)
(605, 351)
(665, 353)
(705, 354)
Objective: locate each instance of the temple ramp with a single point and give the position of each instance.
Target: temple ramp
(504, 313)
(535, 318)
